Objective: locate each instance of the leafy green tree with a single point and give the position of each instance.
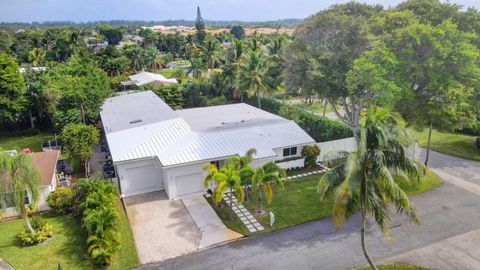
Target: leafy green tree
(17, 177)
(368, 180)
(335, 37)
(112, 34)
(437, 70)
(171, 94)
(238, 31)
(262, 180)
(77, 84)
(431, 11)
(79, 141)
(12, 90)
(200, 27)
(252, 76)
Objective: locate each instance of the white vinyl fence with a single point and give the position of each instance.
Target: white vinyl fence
(330, 147)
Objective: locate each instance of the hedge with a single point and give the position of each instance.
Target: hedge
(320, 128)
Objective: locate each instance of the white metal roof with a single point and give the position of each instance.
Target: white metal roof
(148, 77)
(134, 110)
(195, 135)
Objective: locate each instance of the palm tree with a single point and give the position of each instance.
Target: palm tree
(226, 178)
(253, 75)
(36, 56)
(210, 51)
(197, 67)
(262, 181)
(17, 176)
(368, 178)
(244, 171)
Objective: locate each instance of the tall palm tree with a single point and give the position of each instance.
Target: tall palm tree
(368, 179)
(226, 178)
(17, 176)
(253, 75)
(197, 67)
(263, 179)
(210, 51)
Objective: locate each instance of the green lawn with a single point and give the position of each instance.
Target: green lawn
(67, 247)
(299, 203)
(167, 73)
(452, 144)
(395, 266)
(11, 142)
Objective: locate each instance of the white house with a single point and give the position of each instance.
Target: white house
(143, 78)
(156, 148)
(46, 164)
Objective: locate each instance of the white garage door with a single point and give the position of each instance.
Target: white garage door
(141, 179)
(189, 183)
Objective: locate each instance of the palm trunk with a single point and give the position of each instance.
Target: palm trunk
(258, 99)
(324, 106)
(260, 202)
(363, 202)
(86, 168)
(428, 144)
(245, 188)
(23, 213)
(32, 124)
(231, 203)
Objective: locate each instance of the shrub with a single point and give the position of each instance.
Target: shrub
(61, 200)
(221, 100)
(478, 142)
(99, 218)
(310, 153)
(320, 128)
(43, 231)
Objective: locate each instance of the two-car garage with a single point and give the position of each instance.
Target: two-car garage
(143, 176)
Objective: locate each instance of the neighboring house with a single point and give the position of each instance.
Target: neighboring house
(156, 148)
(144, 78)
(46, 164)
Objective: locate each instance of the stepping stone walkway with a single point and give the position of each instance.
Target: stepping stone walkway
(321, 170)
(247, 219)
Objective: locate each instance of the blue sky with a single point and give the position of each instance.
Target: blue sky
(246, 10)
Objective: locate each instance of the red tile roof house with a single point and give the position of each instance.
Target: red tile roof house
(46, 164)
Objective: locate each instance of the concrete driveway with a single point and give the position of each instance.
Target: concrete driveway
(162, 228)
(211, 226)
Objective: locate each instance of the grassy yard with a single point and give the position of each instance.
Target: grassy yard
(299, 203)
(395, 266)
(167, 73)
(315, 107)
(11, 142)
(67, 247)
(453, 144)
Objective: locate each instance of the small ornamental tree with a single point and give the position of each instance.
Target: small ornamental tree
(310, 153)
(78, 142)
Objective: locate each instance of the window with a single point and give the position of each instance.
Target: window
(291, 151)
(6, 199)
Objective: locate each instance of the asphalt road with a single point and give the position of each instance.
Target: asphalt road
(445, 212)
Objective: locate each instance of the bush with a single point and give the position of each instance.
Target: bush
(217, 101)
(320, 128)
(478, 142)
(43, 231)
(99, 218)
(61, 200)
(310, 153)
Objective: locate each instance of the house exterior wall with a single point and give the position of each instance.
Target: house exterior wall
(139, 182)
(171, 174)
(41, 204)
